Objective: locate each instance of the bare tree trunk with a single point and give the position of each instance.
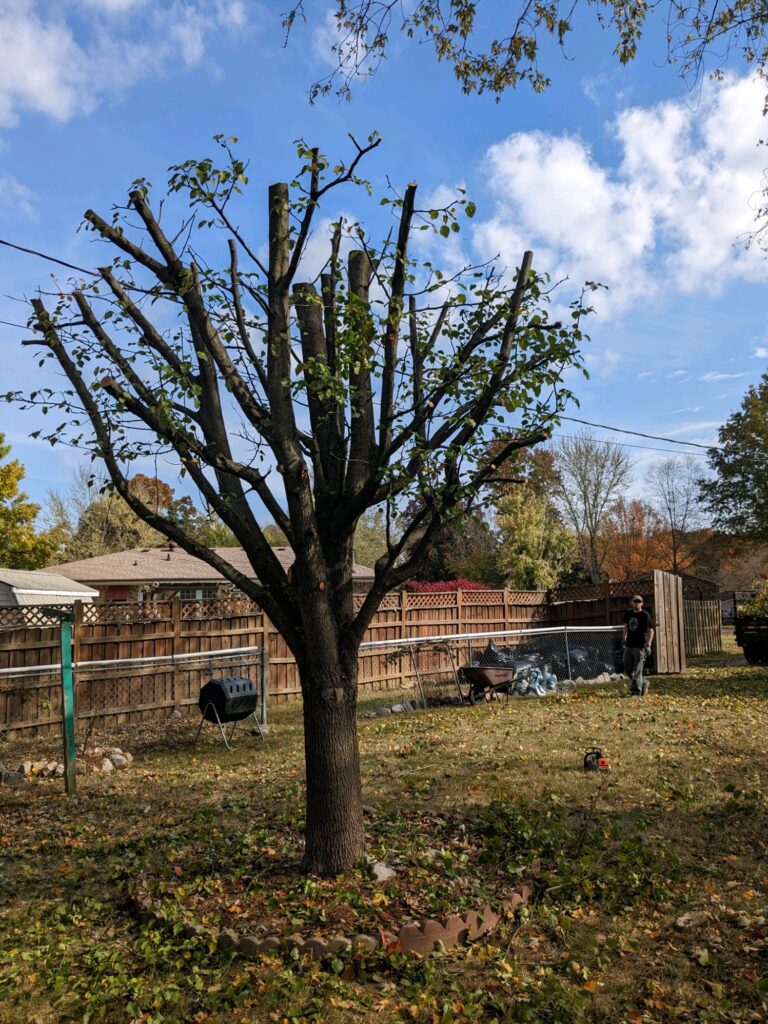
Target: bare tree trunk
(335, 840)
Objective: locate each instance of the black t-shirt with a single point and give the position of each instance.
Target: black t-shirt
(639, 624)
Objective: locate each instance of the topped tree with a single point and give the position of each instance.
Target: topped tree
(308, 402)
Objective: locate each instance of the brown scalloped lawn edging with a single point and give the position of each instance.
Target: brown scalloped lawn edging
(416, 937)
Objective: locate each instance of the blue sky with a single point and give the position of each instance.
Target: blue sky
(622, 175)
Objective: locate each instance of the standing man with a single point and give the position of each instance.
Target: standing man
(637, 640)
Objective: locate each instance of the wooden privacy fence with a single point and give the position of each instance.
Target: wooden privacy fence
(703, 627)
(118, 631)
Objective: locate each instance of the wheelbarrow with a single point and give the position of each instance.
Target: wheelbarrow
(483, 681)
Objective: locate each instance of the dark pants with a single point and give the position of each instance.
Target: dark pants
(634, 662)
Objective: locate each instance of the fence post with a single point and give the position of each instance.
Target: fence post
(459, 610)
(175, 642)
(76, 629)
(607, 586)
(264, 682)
(567, 652)
(506, 608)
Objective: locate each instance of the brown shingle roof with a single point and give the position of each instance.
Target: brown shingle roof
(164, 565)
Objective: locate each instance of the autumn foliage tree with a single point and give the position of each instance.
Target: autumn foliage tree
(635, 540)
(21, 546)
(305, 400)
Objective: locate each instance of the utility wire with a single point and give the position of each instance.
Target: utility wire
(51, 259)
(571, 419)
(626, 444)
(637, 433)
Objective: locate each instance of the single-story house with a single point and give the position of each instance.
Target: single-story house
(146, 574)
(27, 589)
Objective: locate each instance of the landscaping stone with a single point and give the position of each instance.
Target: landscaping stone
(383, 872)
(107, 766)
(249, 946)
(384, 711)
(339, 943)
(119, 760)
(397, 709)
(692, 919)
(60, 769)
(366, 942)
(316, 947)
(456, 931)
(11, 779)
(227, 940)
(409, 705)
(26, 768)
(413, 940)
(175, 714)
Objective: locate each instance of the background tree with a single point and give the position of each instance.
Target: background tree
(383, 383)
(21, 547)
(493, 46)
(535, 548)
(591, 477)
(89, 519)
(635, 540)
(370, 537)
(733, 562)
(737, 494)
(466, 549)
(673, 486)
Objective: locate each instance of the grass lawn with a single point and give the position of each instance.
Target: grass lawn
(463, 799)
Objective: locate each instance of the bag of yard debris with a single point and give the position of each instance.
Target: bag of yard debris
(494, 657)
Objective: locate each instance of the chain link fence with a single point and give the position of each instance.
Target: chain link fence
(125, 690)
(531, 662)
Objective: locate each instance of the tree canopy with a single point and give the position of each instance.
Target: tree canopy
(493, 46)
(311, 400)
(737, 493)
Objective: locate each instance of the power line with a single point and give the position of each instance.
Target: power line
(571, 419)
(9, 323)
(51, 259)
(637, 433)
(625, 444)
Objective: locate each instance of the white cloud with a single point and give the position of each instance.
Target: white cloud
(687, 408)
(712, 376)
(15, 197)
(694, 427)
(60, 61)
(668, 213)
(761, 352)
(603, 363)
(337, 47)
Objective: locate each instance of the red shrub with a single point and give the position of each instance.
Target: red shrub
(442, 586)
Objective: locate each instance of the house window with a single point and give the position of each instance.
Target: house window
(197, 593)
(116, 594)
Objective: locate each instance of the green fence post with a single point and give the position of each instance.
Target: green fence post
(68, 702)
